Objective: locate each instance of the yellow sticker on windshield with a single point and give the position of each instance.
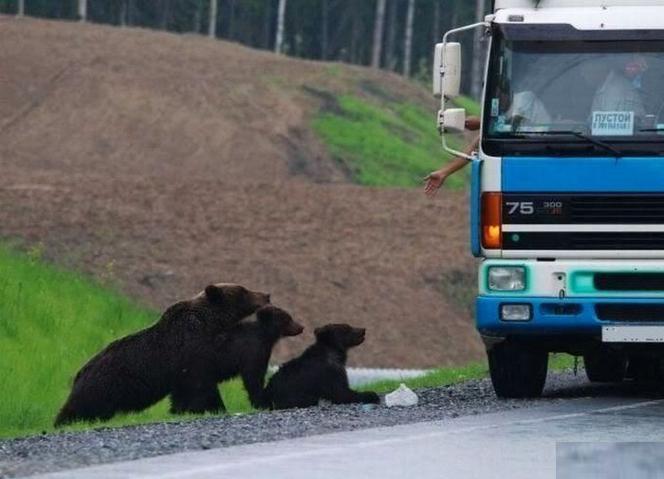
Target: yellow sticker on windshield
(613, 123)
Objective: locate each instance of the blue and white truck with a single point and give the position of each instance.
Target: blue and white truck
(567, 194)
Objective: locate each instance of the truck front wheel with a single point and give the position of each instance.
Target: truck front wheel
(516, 370)
(605, 366)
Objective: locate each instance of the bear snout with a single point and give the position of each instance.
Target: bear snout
(294, 329)
(260, 299)
(360, 334)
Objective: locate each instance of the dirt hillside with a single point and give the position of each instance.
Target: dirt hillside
(161, 163)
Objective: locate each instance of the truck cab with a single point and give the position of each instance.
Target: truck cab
(567, 194)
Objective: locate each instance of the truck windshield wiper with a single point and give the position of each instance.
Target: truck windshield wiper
(583, 136)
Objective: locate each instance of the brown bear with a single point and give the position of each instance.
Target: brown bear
(244, 350)
(138, 370)
(320, 372)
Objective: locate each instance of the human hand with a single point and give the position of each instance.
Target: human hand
(433, 181)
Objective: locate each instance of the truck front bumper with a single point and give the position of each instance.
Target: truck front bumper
(573, 316)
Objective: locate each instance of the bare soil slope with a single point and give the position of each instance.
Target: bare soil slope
(161, 163)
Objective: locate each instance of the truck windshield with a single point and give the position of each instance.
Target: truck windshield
(546, 93)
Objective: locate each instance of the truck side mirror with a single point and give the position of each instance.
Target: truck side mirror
(447, 70)
(454, 120)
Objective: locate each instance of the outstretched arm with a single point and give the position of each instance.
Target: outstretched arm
(473, 123)
(435, 179)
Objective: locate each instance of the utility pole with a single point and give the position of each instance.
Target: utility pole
(408, 40)
(20, 9)
(212, 24)
(378, 34)
(281, 18)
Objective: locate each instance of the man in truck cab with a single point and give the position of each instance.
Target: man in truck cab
(620, 86)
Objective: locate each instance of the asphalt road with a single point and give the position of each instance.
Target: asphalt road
(587, 437)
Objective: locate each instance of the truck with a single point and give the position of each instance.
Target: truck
(567, 186)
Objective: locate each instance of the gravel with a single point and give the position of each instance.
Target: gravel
(46, 453)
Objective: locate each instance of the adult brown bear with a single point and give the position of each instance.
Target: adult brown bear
(138, 370)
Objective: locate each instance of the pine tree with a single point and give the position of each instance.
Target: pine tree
(281, 18)
(212, 24)
(378, 34)
(408, 38)
(82, 10)
(478, 54)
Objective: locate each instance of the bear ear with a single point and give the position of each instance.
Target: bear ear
(214, 294)
(322, 334)
(264, 314)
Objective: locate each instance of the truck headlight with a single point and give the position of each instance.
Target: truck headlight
(507, 278)
(515, 312)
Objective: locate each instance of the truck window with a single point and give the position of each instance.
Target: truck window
(612, 90)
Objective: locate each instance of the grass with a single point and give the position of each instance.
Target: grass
(472, 107)
(453, 375)
(436, 378)
(52, 321)
(385, 143)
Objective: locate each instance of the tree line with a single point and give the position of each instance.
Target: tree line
(395, 35)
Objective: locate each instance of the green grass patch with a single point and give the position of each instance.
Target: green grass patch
(471, 106)
(454, 375)
(51, 322)
(436, 378)
(385, 143)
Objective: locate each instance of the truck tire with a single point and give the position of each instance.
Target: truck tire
(605, 366)
(517, 371)
(645, 369)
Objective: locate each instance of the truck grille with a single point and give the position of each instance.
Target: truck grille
(583, 241)
(630, 312)
(583, 208)
(616, 209)
(629, 281)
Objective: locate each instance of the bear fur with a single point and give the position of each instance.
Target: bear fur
(245, 351)
(320, 372)
(138, 370)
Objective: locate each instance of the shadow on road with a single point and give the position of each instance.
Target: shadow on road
(627, 389)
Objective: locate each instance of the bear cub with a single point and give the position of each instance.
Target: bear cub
(138, 370)
(320, 372)
(244, 350)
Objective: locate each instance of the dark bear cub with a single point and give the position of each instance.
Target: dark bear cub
(320, 372)
(244, 350)
(138, 370)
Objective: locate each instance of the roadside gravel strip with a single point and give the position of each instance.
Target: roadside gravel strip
(26, 456)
